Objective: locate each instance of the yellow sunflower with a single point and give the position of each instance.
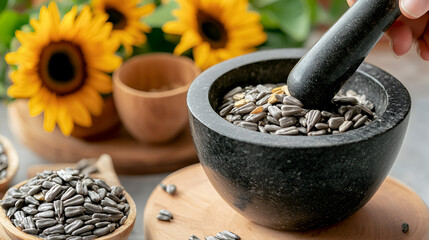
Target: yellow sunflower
(62, 66)
(125, 16)
(216, 29)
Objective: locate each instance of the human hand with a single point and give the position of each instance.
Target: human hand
(411, 27)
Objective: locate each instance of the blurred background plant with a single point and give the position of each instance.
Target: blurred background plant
(287, 23)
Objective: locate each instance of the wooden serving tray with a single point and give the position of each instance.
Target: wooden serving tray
(129, 156)
(199, 210)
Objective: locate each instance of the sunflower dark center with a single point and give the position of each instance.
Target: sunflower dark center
(62, 67)
(212, 30)
(116, 18)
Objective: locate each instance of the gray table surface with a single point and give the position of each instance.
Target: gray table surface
(411, 166)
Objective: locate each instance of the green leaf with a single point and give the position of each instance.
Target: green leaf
(337, 8)
(293, 17)
(10, 21)
(161, 15)
(278, 39)
(3, 4)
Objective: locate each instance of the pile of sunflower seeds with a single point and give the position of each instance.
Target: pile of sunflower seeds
(269, 108)
(3, 162)
(66, 204)
(164, 215)
(224, 235)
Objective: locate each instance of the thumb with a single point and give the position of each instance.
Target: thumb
(414, 8)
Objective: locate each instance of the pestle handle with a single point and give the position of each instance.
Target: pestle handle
(321, 72)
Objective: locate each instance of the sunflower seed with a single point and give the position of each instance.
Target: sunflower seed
(54, 229)
(275, 112)
(73, 226)
(211, 238)
(11, 211)
(345, 125)
(111, 210)
(287, 131)
(83, 229)
(225, 111)
(287, 121)
(45, 207)
(94, 196)
(102, 192)
(101, 216)
(101, 231)
(193, 237)
(163, 217)
(73, 211)
(263, 100)
(321, 126)
(233, 92)
(166, 213)
(29, 210)
(357, 117)
(290, 110)
(31, 200)
(317, 133)
(231, 234)
(74, 201)
(335, 122)
(171, 189)
(273, 120)
(313, 116)
(361, 121)
(249, 125)
(247, 108)
(345, 100)
(45, 214)
(45, 223)
(255, 117)
(56, 237)
(31, 231)
(289, 100)
(53, 192)
(101, 183)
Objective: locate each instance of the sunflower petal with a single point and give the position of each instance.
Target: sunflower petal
(174, 27)
(49, 119)
(201, 53)
(35, 105)
(79, 113)
(65, 121)
(189, 40)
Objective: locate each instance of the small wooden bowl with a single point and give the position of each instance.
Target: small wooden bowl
(150, 95)
(13, 163)
(106, 172)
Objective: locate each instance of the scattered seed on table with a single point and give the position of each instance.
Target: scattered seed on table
(163, 218)
(193, 237)
(166, 213)
(171, 189)
(405, 227)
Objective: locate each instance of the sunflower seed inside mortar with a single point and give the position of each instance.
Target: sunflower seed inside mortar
(3, 161)
(269, 108)
(64, 205)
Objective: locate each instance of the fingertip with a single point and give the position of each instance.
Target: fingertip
(401, 38)
(413, 8)
(351, 2)
(423, 50)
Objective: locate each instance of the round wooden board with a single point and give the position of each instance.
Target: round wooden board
(129, 156)
(199, 210)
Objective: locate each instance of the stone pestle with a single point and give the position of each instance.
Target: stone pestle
(321, 72)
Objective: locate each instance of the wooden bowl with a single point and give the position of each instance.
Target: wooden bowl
(107, 173)
(150, 95)
(13, 163)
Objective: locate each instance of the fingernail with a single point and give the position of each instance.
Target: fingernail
(411, 7)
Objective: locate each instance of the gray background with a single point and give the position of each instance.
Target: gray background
(411, 166)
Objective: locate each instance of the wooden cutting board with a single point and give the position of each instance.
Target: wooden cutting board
(199, 210)
(129, 156)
